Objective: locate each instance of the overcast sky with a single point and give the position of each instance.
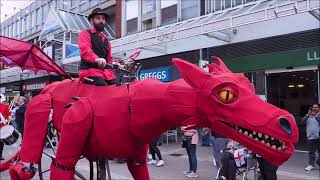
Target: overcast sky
(11, 7)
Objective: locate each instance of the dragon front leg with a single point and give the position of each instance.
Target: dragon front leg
(36, 126)
(137, 164)
(76, 124)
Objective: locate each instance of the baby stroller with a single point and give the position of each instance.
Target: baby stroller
(242, 169)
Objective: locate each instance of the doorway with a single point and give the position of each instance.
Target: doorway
(294, 92)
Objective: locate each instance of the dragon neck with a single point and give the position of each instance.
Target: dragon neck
(172, 105)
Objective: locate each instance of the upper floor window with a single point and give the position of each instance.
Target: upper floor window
(148, 6)
(189, 9)
(168, 11)
(132, 16)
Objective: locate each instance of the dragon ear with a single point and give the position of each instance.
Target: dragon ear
(191, 73)
(220, 64)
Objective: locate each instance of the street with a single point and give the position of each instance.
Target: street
(176, 161)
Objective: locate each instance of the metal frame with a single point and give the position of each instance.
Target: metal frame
(177, 31)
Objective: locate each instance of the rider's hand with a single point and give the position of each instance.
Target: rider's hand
(116, 64)
(101, 62)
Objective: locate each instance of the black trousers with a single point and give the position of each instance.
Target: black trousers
(1, 148)
(267, 170)
(228, 169)
(155, 150)
(98, 81)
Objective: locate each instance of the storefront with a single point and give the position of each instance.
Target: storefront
(287, 79)
(32, 90)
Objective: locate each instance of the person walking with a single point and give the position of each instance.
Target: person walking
(191, 151)
(154, 150)
(312, 121)
(20, 114)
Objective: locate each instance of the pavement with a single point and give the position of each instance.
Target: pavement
(176, 161)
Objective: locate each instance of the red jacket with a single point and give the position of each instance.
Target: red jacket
(4, 110)
(87, 53)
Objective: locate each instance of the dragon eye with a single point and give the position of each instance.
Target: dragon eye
(226, 96)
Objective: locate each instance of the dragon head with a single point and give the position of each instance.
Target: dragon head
(228, 104)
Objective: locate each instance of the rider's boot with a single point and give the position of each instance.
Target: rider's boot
(19, 171)
(59, 172)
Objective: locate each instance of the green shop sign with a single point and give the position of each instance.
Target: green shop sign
(277, 60)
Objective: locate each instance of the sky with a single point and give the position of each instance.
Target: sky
(10, 7)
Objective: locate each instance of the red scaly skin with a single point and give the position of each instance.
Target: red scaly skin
(117, 122)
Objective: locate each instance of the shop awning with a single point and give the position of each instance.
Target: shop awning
(62, 20)
(212, 29)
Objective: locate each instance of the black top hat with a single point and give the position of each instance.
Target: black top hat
(97, 11)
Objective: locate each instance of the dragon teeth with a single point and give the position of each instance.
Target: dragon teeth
(273, 147)
(262, 142)
(254, 132)
(266, 136)
(256, 139)
(260, 135)
(272, 138)
(268, 144)
(246, 133)
(250, 135)
(279, 148)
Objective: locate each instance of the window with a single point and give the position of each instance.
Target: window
(84, 6)
(168, 11)
(148, 6)
(93, 3)
(19, 26)
(23, 24)
(29, 21)
(38, 20)
(45, 12)
(132, 16)
(217, 5)
(189, 9)
(14, 29)
(34, 19)
(227, 4)
(10, 31)
(74, 3)
(149, 24)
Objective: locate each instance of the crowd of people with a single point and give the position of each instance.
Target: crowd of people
(12, 115)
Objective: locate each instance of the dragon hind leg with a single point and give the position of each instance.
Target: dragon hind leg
(76, 125)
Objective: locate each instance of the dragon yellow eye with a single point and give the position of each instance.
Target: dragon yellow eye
(226, 96)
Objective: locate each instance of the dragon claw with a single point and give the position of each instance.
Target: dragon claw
(19, 171)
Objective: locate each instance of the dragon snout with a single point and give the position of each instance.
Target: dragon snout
(285, 125)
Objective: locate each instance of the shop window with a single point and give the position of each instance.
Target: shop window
(74, 38)
(168, 11)
(189, 9)
(132, 16)
(258, 80)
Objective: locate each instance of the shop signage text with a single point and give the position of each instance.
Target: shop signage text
(162, 74)
(313, 55)
(34, 86)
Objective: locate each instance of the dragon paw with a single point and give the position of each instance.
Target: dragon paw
(19, 171)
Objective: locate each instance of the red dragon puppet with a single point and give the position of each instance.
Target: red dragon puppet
(119, 121)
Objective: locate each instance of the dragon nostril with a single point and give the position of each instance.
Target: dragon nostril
(285, 125)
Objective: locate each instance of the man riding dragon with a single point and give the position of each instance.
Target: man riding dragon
(142, 110)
